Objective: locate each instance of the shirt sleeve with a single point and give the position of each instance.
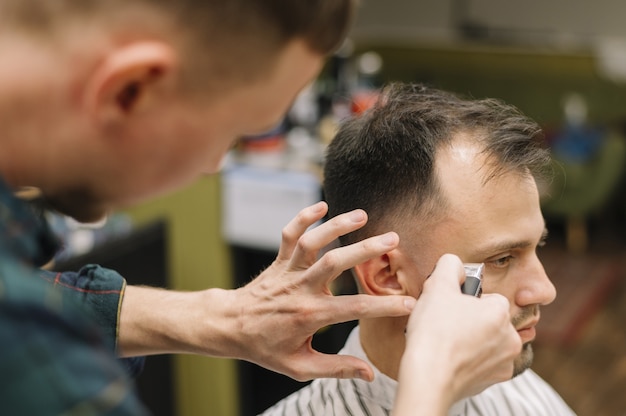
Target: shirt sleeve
(53, 359)
(99, 290)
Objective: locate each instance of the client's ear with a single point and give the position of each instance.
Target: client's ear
(128, 78)
(378, 276)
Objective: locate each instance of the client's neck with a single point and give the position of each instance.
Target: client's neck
(383, 341)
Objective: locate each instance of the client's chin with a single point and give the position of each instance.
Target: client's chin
(524, 360)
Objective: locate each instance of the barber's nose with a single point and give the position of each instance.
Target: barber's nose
(536, 287)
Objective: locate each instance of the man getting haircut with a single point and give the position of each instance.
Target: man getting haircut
(449, 175)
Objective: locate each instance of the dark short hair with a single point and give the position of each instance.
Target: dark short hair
(383, 161)
(240, 37)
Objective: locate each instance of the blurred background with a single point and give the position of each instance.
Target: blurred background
(562, 62)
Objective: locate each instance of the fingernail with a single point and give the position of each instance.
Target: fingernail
(410, 303)
(318, 207)
(357, 216)
(363, 375)
(390, 239)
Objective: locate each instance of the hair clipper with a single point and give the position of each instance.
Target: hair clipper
(473, 279)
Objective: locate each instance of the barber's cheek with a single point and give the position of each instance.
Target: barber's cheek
(214, 164)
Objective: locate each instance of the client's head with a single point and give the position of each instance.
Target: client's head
(449, 175)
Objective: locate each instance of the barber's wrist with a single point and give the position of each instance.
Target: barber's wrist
(425, 385)
(428, 363)
(207, 322)
(157, 321)
(219, 324)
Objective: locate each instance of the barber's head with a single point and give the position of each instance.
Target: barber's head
(133, 98)
(449, 175)
(239, 39)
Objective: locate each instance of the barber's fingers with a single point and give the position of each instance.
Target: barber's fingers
(314, 364)
(292, 232)
(325, 269)
(309, 244)
(301, 244)
(447, 275)
(337, 309)
(498, 309)
(497, 301)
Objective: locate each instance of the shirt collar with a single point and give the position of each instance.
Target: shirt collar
(383, 389)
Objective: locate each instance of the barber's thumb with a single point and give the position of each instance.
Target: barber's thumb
(448, 272)
(496, 301)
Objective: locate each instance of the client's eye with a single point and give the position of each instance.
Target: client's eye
(502, 261)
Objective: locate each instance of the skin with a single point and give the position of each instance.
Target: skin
(498, 222)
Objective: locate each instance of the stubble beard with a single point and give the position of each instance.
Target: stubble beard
(523, 361)
(79, 204)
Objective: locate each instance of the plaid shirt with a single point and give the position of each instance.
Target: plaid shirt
(57, 330)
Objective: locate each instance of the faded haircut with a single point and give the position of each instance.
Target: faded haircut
(236, 39)
(383, 161)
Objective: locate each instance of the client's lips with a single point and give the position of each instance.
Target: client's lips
(527, 331)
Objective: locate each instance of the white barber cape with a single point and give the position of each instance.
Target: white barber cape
(525, 395)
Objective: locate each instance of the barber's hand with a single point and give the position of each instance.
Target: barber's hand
(281, 309)
(457, 345)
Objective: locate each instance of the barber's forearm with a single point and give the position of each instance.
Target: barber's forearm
(157, 321)
(423, 388)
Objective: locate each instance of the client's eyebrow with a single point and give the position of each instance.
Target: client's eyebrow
(501, 246)
(506, 245)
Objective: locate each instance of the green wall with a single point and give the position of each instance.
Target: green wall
(198, 259)
(535, 80)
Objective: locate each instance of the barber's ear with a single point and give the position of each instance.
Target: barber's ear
(128, 79)
(379, 276)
